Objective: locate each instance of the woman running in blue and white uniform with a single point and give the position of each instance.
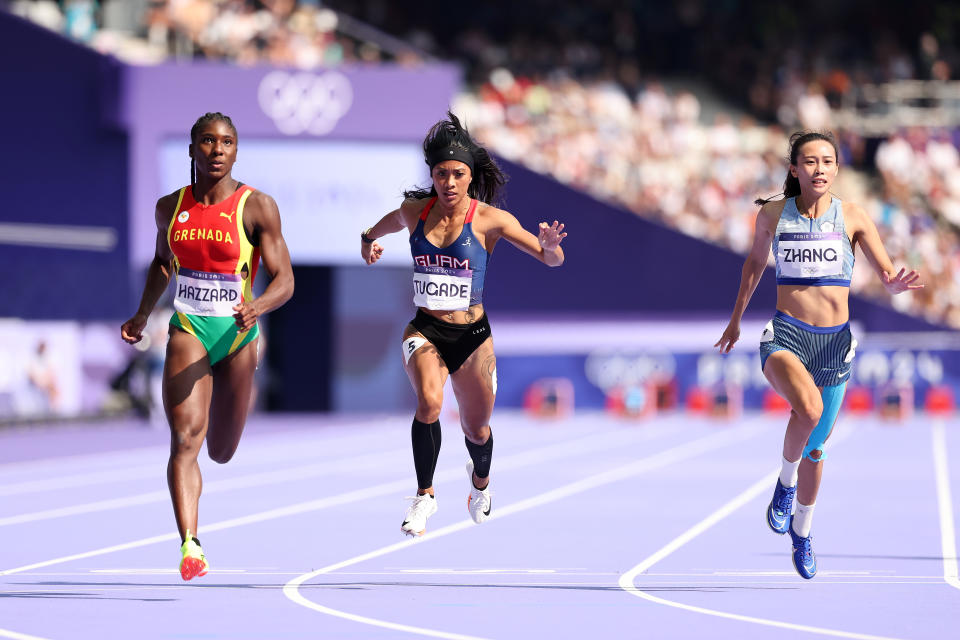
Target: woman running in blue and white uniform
(807, 350)
(453, 231)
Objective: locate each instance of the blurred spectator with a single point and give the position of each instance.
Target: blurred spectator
(43, 393)
(300, 34)
(654, 156)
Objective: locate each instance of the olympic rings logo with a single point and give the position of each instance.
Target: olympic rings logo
(303, 102)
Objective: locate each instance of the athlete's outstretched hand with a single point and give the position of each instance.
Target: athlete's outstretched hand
(370, 252)
(132, 330)
(551, 236)
(901, 282)
(729, 338)
(246, 315)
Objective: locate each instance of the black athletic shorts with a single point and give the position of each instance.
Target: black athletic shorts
(455, 342)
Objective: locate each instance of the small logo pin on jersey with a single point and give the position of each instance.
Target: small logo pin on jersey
(184, 216)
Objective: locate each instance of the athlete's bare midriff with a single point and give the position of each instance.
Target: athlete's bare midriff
(471, 315)
(818, 306)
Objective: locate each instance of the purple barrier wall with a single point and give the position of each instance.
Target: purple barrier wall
(63, 222)
(618, 262)
(375, 103)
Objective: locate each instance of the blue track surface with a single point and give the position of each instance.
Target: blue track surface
(601, 528)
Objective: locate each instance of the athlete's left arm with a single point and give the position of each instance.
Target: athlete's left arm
(264, 216)
(866, 235)
(544, 247)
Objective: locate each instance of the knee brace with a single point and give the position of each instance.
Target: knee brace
(832, 400)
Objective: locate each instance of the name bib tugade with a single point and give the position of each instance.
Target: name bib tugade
(442, 288)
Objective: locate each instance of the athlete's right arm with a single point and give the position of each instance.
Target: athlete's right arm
(158, 274)
(753, 268)
(396, 220)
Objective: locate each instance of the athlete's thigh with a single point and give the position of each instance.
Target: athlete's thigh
(232, 385)
(475, 385)
(790, 378)
(425, 368)
(187, 381)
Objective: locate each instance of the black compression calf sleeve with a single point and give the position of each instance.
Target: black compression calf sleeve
(426, 449)
(481, 455)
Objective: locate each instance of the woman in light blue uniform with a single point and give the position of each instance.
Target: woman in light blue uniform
(453, 228)
(806, 349)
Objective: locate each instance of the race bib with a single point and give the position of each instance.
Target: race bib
(208, 294)
(442, 288)
(810, 255)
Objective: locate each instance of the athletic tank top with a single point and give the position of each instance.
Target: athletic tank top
(451, 278)
(814, 252)
(215, 262)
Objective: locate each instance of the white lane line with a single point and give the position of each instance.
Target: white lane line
(142, 463)
(241, 482)
(592, 442)
(6, 633)
(627, 580)
(113, 476)
(665, 458)
(948, 535)
(314, 469)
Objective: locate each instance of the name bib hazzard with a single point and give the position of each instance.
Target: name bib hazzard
(810, 255)
(441, 288)
(208, 294)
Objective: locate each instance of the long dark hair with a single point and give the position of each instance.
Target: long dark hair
(791, 186)
(205, 119)
(487, 179)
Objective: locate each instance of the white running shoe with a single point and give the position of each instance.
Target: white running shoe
(478, 504)
(422, 507)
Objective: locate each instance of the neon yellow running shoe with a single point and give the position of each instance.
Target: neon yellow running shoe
(194, 564)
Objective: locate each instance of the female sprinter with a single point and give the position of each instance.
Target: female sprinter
(806, 351)
(211, 234)
(453, 231)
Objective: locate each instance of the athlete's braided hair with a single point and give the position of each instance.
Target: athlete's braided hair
(791, 186)
(206, 118)
(487, 181)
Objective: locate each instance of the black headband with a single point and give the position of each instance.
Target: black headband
(451, 152)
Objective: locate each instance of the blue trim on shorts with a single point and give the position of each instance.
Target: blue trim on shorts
(806, 282)
(821, 350)
(809, 327)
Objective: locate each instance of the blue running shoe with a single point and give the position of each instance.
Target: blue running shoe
(803, 558)
(780, 508)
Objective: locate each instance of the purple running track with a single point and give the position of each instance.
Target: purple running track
(601, 527)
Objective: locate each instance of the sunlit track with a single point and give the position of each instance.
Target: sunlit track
(576, 504)
(542, 454)
(644, 465)
(948, 532)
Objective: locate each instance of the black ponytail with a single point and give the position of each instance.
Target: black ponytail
(791, 186)
(487, 180)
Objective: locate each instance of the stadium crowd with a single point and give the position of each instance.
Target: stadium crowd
(571, 90)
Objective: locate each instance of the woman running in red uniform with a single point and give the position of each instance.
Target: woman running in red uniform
(211, 235)
(453, 230)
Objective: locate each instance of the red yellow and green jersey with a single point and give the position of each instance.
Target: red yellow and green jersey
(215, 264)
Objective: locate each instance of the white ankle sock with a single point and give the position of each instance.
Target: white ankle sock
(788, 473)
(803, 519)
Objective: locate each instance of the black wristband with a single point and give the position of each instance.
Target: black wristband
(365, 238)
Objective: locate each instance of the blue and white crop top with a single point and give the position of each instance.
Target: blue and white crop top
(448, 278)
(815, 252)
